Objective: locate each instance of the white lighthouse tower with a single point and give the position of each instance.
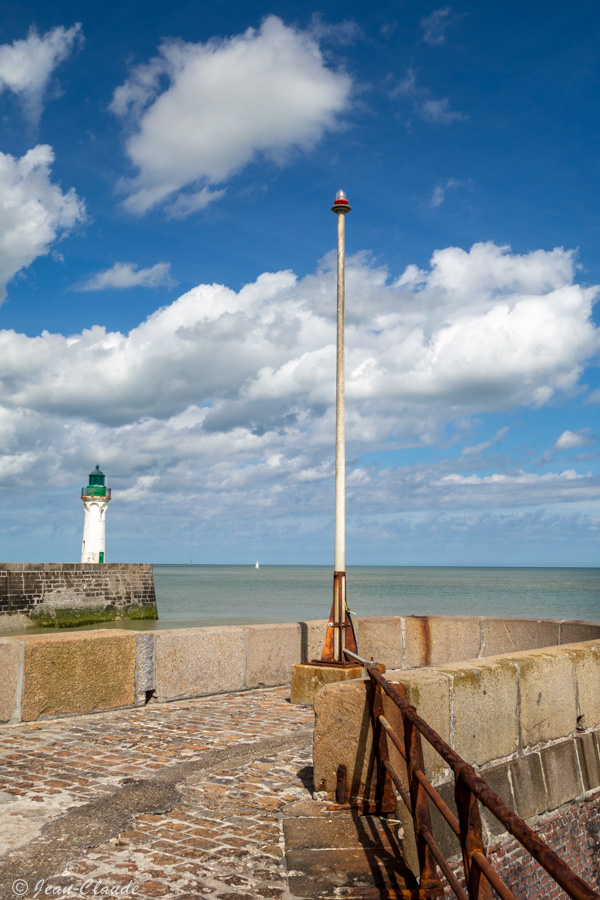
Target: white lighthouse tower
(96, 497)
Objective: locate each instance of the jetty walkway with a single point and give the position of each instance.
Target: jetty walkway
(209, 797)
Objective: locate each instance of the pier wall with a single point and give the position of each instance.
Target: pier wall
(59, 674)
(529, 721)
(67, 594)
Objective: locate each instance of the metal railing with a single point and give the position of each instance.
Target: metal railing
(470, 789)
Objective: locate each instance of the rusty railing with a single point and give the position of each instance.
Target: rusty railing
(480, 875)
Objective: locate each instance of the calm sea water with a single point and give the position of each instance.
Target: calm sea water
(192, 596)
(219, 595)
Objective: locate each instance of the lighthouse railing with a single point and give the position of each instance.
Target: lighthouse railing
(96, 490)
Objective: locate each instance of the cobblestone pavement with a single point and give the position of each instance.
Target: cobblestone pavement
(174, 800)
(197, 798)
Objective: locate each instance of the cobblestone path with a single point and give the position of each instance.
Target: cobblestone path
(174, 800)
(197, 798)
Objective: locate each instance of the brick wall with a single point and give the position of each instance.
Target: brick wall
(572, 831)
(55, 590)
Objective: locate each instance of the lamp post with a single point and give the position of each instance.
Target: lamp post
(333, 665)
(340, 633)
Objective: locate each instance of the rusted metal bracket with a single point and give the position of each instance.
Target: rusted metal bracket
(340, 621)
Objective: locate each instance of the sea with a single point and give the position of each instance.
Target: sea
(195, 595)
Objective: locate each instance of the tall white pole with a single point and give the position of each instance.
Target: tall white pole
(341, 208)
(340, 408)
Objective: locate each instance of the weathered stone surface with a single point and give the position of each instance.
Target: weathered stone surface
(11, 669)
(313, 637)
(589, 761)
(343, 736)
(381, 640)
(529, 786)
(191, 662)
(67, 594)
(498, 780)
(77, 673)
(437, 640)
(144, 665)
(362, 853)
(485, 709)
(548, 695)
(428, 690)
(15, 622)
(443, 834)
(510, 635)
(271, 651)
(318, 873)
(308, 679)
(576, 632)
(320, 832)
(587, 669)
(561, 772)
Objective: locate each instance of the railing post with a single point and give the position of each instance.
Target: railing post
(471, 839)
(385, 797)
(429, 880)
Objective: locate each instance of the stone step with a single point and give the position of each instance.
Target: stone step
(333, 854)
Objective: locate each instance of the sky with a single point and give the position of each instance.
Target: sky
(168, 293)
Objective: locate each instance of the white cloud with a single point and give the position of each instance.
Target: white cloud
(127, 275)
(27, 65)
(220, 406)
(34, 212)
(432, 110)
(440, 190)
(477, 449)
(227, 102)
(504, 478)
(434, 26)
(480, 330)
(570, 440)
(345, 32)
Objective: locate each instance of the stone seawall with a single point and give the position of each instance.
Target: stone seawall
(79, 672)
(66, 594)
(529, 721)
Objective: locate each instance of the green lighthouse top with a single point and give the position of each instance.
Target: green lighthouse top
(97, 477)
(96, 485)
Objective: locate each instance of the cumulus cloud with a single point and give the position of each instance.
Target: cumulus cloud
(226, 102)
(127, 275)
(430, 109)
(570, 440)
(34, 212)
(434, 26)
(219, 407)
(480, 330)
(26, 66)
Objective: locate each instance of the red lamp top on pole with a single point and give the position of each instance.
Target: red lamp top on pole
(341, 204)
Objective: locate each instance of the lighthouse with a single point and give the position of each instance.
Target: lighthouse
(96, 497)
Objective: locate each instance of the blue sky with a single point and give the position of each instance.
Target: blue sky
(168, 296)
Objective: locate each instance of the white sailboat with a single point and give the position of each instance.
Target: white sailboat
(257, 565)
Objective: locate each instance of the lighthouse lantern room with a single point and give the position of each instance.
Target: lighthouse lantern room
(96, 497)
